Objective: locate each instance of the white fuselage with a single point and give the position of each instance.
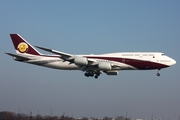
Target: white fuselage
(127, 60)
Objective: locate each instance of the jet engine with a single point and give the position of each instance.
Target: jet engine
(80, 61)
(104, 66)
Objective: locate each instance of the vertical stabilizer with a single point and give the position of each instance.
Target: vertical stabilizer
(22, 46)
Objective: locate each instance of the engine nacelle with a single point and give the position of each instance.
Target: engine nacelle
(104, 66)
(111, 72)
(80, 61)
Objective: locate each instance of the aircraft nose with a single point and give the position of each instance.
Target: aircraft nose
(173, 62)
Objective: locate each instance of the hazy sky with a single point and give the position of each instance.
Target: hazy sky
(86, 27)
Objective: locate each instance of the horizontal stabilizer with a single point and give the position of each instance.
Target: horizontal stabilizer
(18, 57)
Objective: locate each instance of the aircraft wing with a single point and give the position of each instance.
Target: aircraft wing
(62, 54)
(66, 56)
(18, 57)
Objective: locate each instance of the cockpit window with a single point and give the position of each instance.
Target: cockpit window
(163, 54)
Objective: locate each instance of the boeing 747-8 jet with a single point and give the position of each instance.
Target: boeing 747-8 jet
(91, 65)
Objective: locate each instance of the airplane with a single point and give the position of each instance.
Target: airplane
(92, 65)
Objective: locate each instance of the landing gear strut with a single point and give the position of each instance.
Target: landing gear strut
(158, 73)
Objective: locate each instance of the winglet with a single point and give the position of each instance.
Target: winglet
(22, 46)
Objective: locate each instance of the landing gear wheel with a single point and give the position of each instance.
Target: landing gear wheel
(86, 74)
(94, 74)
(158, 74)
(97, 75)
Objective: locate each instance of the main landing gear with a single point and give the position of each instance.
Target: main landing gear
(92, 74)
(158, 73)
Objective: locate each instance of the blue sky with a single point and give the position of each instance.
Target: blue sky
(86, 27)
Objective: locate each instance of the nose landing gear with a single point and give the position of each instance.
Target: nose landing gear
(158, 73)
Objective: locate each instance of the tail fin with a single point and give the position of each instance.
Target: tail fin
(22, 46)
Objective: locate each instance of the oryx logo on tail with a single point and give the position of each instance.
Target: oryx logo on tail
(22, 47)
